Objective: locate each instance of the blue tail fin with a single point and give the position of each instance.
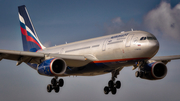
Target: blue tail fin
(29, 37)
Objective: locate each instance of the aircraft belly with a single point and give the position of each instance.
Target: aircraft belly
(93, 69)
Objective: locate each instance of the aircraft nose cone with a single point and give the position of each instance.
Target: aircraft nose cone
(153, 47)
(154, 44)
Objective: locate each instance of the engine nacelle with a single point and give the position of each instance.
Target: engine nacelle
(154, 71)
(52, 67)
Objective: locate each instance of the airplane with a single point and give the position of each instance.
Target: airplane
(91, 57)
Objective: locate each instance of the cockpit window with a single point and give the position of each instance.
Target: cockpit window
(143, 38)
(148, 38)
(151, 38)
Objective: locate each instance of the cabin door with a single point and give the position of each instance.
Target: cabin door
(128, 40)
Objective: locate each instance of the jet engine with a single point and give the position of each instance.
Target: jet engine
(152, 71)
(52, 67)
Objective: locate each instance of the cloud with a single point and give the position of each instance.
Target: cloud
(47, 44)
(117, 25)
(164, 21)
(117, 20)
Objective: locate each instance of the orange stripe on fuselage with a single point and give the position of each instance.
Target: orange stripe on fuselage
(128, 59)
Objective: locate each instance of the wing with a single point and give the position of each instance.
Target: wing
(165, 59)
(21, 56)
(37, 58)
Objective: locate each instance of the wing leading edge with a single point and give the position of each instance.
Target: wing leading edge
(166, 59)
(37, 58)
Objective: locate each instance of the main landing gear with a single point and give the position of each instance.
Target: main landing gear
(112, 85)
(55, 84)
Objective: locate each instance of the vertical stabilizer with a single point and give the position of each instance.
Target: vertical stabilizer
(30, 39)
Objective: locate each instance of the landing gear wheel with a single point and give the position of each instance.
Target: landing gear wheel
(55, 85)
(111, 84)
(141, 74)
(113, 90)
(106, 90)
(118, 84)
(54, 82)
(137, 73)
(56, 89)
(61, 82)
(49, 88)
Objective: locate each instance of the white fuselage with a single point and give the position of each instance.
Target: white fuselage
(113, 51)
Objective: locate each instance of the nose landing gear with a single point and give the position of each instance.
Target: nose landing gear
(55, 84)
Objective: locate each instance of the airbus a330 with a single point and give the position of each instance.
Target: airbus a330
(97, 56)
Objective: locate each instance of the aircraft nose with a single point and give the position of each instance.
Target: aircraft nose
(153, 46)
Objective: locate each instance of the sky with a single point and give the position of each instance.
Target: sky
(60, 21)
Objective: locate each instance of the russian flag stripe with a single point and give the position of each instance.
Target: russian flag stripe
(29, 38)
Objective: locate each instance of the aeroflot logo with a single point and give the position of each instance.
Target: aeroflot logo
(122, 35)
